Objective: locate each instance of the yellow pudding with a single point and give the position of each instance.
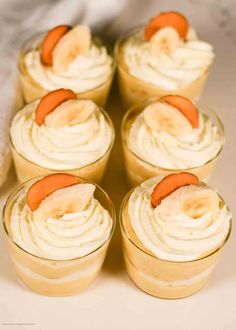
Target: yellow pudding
(62, 254)
(170, 255)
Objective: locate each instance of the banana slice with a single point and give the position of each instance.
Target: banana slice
(192, 200)
(164, 117)
(192, 35)
(74, 42)
(165, 41)
(70, 113)
(66, 200)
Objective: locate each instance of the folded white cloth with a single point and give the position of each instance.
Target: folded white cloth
(19, 19)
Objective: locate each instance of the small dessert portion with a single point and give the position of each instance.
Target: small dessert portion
(67, 57)
(61, 132)
(58, 232)
(173, 229)
(170, 134)
(164, 57)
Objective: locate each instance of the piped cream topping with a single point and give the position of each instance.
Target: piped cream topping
(185, 62)
(188, 224)
(85, 72)
(72, 235)
(60, 148)
(161, 148)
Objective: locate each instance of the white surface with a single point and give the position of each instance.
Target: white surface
(113, 302)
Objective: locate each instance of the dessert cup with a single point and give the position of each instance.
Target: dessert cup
(139, 170)
(31, 90)
(27, 169)
(158, 277)
(56, 277)
(134, 90)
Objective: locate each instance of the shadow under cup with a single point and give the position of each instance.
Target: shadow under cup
(139, 170)
(30, 90)
(134, 90)
(56, 277)
(162, 278)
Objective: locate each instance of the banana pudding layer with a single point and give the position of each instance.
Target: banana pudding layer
(78, 67)
(188, 224)
(63, 144)
(167, 61)
(165, 138)
(50, 233)
(58, 227)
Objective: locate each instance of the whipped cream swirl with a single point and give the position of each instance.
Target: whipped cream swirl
(173, 235)
(84, 73)
(64, 148)
(71, 236)
(168, 71)
(162, 149)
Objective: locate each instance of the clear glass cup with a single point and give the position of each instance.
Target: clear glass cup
(134, 90)
(31, 90)
(56, 277)
(27, 169)
(162, 278)
(139, 170)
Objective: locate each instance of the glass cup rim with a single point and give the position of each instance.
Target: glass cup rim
(122, 64)
(123, 230)
(32, 81)
(107, 118)
(19, 187)
(149, 101)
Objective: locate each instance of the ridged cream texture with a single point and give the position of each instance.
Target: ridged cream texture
(176, 236)
(168, 71)
(84, 73)
(71, 236)
(175, 152)
(67, 147)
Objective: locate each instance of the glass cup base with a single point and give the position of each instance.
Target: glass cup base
(26, 170)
